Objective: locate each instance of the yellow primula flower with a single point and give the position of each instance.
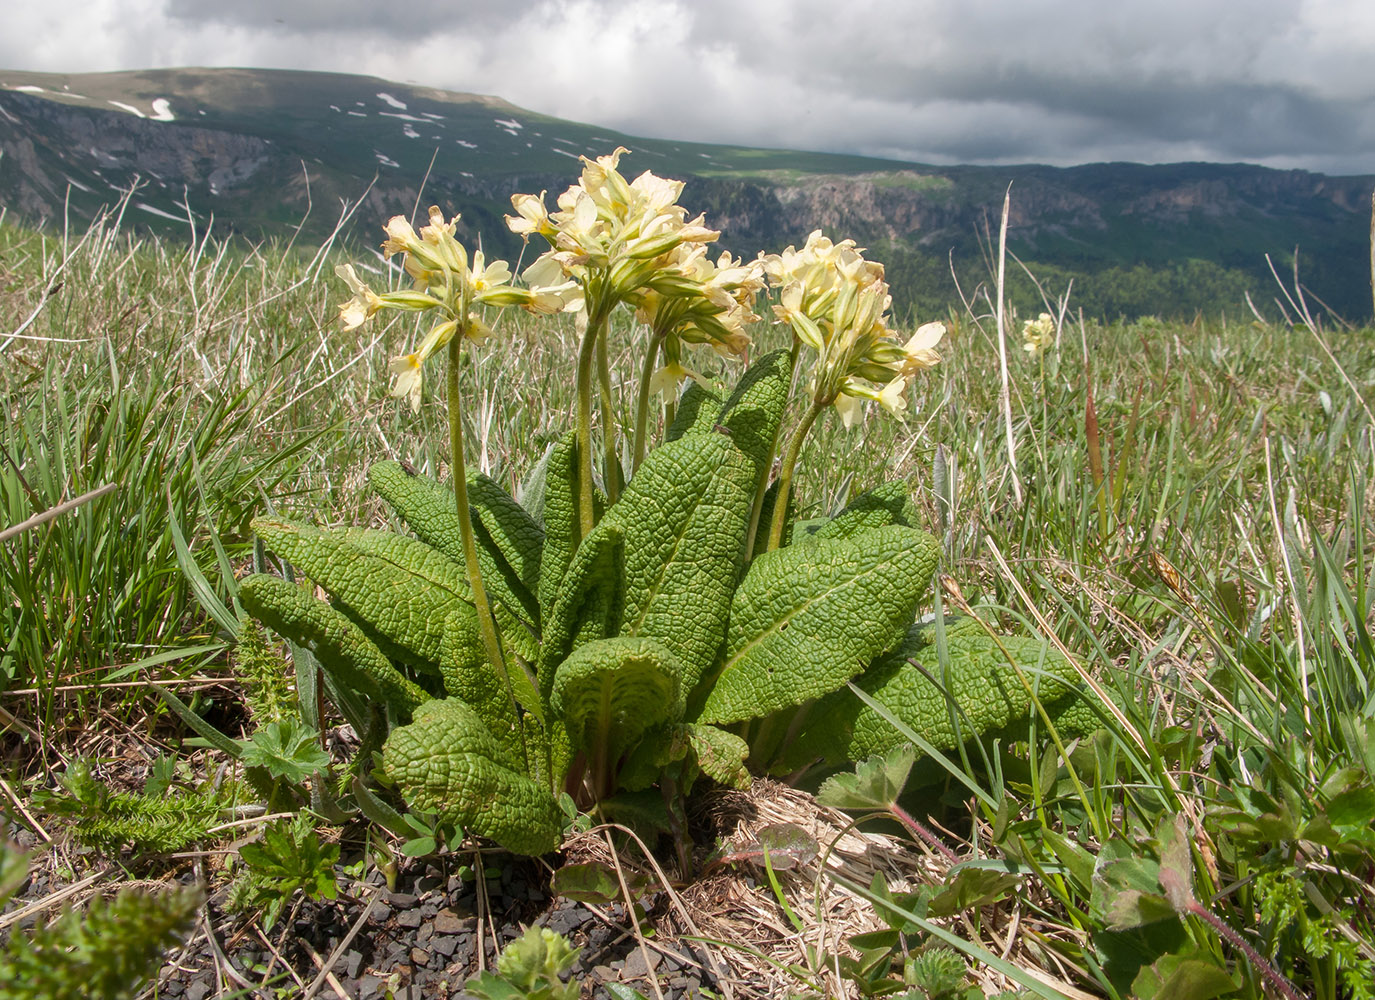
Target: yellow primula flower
(1038, 334)
(365, 301)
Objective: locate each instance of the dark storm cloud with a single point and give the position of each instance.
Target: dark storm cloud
(312, 16)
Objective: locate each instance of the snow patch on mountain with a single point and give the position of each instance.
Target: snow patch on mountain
(157, 211)
(162, 110)
(398, 105)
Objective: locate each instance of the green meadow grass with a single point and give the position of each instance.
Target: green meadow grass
(1193, 525)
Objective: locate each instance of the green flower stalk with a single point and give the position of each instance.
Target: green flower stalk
(449, 285)
(691, 301)
(612, 239)
(836, 303)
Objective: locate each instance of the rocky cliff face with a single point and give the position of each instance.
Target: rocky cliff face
(51, 145)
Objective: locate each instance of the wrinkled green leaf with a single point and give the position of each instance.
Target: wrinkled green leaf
(684, 518)
(887, 503)
(609, 691)
(398, 589)
(446, 762)
(752, 413)
(809, 617)
(336, 642)
(696, 413)
(908, 682)
(590, 603)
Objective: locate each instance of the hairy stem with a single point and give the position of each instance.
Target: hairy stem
(785, 474)
(486, 622)
(587, 352)
(611, 466)
(642, 403)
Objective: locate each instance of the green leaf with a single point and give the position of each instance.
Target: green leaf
(809, 617)
(398, 589)
(199, 726)
(684, 518)
(341, 647)
(1354, 809)
(752, 413)
(912, 684)
(596, 882)
(887, 503)
(562, 521)
(696, 413)
(609, 691)
(446, 762)
(875, 784)
(1173, 977)
(719, 755)
(287, 750)
(1126, 891)
(469, 677)
(971, 888)
(589, 604)
(509, 541)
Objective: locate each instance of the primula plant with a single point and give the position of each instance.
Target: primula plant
(629, 630)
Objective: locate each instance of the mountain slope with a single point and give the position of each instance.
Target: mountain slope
(261, 150)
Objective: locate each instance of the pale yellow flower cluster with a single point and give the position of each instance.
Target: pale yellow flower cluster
(1038, 334)
(446, 281)
(694, 300)
(836, 303)
(611, 236)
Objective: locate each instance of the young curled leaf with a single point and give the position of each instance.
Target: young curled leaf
(610, 691)
(446, 762)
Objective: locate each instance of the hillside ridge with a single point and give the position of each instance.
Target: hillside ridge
(261, 150)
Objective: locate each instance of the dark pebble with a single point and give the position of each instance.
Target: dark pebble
(410, 919)
(353, 961)
(402, 900)
(444, 944)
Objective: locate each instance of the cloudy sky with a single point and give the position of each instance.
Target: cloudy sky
(1286, 83)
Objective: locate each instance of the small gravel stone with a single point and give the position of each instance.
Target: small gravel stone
(402, 900)
(449, 922)
(410, 919)
(444, 944)
(420, 956)
(353, 961)
(635, 967)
